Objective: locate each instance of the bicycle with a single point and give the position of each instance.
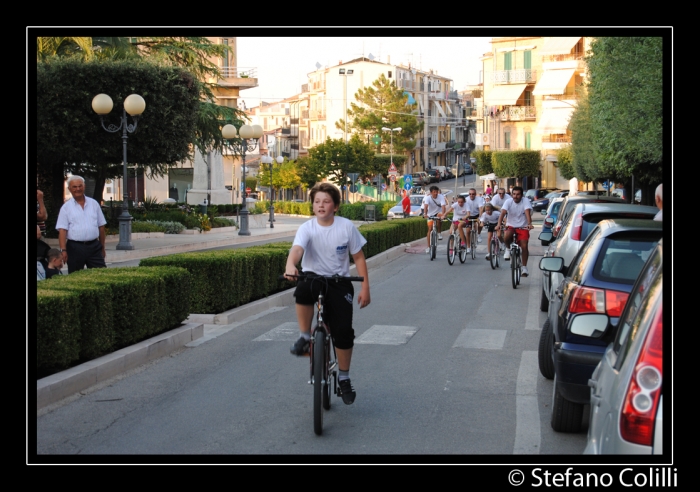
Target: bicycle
(473, 236)
(322, 356)
(516, 262)
(433, 237)
(495, 250)
(455, 247)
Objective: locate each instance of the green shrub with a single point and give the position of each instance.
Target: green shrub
(168, 227)
(222, 222)
(146, 226)
(57, 330)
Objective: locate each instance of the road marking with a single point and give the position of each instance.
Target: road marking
(213, 331)
(286, 332)
(527, 415)
(532, 319)
(387, 335)
(481, 339)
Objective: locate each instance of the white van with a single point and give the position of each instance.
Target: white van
(442, 170)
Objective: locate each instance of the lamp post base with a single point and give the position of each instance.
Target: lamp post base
(244, 231)
(272, 217)
(125, 232)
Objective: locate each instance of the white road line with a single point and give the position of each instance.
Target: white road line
(213, 331)
(527, 415)
(387, 335)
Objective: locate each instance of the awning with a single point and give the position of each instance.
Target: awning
(558, 46)
(554, 120)
(489, 177)
(551, 158)
(439, 108)
(505, 95)
(410, 101)
(420, 105)
(448, 108)
(553, 82)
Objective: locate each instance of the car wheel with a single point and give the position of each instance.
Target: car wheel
(544, 302)
(567, 416)
(544, 351)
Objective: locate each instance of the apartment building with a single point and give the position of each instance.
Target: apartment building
(530, 86)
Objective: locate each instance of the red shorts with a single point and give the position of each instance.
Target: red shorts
(521, 234)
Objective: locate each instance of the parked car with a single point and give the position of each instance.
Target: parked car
(433, 175)
(595, 288)
(550, 216)
(572, 201)
(621, 193)
(541, 204)
(578, 225)
(396, 212)
(468, 169)
(420, 178)
(536, 193)
(592, 193)
(627, 385)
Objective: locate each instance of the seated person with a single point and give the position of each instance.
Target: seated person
(55, 263)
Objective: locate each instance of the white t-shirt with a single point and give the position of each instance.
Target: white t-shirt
(659, 216)
(497, 201)
(474, 205)
(326, 248)
(490, 219)
(434, 205)
(459, 212)
(82, 223)
(516, 212)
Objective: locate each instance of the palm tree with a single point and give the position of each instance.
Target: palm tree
(78, 46)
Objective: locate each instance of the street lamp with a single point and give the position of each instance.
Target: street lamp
(345, 74)
(391, 130)
(242, 140)
(266, 159)
(134, 105)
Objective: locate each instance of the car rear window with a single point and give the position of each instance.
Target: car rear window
(591, 220)
(555, 208)
(622, 257)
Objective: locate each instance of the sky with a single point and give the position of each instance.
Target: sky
(283, 63)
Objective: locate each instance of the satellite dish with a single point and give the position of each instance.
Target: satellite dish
(371, 57)
(318, 65)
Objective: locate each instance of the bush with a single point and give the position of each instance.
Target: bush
(146, 226)
(168, 227)
(222, 222)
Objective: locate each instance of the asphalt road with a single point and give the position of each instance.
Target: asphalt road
(445, 368)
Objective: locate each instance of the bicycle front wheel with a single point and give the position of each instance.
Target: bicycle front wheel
(520, 266)
(493, 254)
(433, 245)
(451, 250)
(473, 241)
(462, 253)
(319, 360)
(514, 269)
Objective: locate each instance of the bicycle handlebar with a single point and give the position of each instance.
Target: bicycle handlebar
(336, 277)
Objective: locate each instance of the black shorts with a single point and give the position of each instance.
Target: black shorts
(337, 312)
(491, 227)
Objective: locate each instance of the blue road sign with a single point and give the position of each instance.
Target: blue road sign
(407, 178)
(606, 185)
(383, 186)
(407, 186)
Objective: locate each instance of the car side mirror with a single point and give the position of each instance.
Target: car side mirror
(543, 212)
(549, 222)
(552, 264)
(589, 325)
(545, 236)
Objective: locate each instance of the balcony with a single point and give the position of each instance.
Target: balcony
(285, 130)
(521, 76)
(453, 96)
(419, 143)
(555, 141)
(305, 114)
(436, 121)
(518, 113)
(436, 96)
(293, 121)
(406, 84)
(318, 114)
(242, 77)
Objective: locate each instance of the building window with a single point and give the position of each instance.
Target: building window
(508, 60)
(528, 98)
(506, 138)
(389, 73)
(527, 59)
(527, 140)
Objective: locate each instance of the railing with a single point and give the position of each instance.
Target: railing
(566, 57)
(521, 76)
(305, 114)
(318, 114)
(438, 96)
(239, 72)
(371, 191)
(453, 95)
(437, 120)
(562, 97)
(556, 139)
(406, 84)
(518, 113)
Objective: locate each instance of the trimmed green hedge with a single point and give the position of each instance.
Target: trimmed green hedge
(93, 312)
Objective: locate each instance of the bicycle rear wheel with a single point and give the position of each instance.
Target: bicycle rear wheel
(433, 244)
(319, 360)
(451, 250)
(493, 254)
(462, 253)
(514, 269)
(520, 266)
(472, 237)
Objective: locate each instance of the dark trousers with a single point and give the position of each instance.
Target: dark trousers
(82, 254)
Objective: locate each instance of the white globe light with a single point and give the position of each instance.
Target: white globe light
(134, 104)
(102, 104)
(229, 131)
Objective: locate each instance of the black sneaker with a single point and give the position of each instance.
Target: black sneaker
(300, 347)
(347, 391)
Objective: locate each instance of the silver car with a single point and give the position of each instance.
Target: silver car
(627, 385)
(396, 212)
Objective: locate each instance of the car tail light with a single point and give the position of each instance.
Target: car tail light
(548, 221)
(576, 230)
(642, 399)
(603, 301)
(555, 231)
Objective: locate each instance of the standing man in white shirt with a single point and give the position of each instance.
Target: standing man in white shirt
(434, 204)
(519, 212)
(81, 229)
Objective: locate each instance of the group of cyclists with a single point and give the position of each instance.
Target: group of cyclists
(484, 211)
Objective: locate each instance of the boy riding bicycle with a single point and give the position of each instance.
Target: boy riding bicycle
(459, 214)
(518, 223)
(434, 204)
(489, 219)
(322, 245)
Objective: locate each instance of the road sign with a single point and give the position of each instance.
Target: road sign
(247, 190)
(383, 186)
(377, 140)
(606, 185)
(392, 177)
(407, 178)
(392, 168)
(407, 186)
(353, 188)
(353, 176)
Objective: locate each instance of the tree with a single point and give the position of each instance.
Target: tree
(310, 171)
(335, 158)
(566, 168)
(69, 133)
(384, 105)
(516, 163)
(483, 162)
(626, 105)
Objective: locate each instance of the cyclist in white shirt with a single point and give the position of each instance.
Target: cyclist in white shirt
(519, 215)
(474, 204)
(434, 204)
(499, 198)
(489, 219)
(459, 209)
